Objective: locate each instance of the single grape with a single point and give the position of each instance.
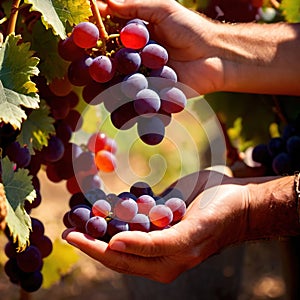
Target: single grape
(31, 282)
(146, 102)
(293, 147)
(18, 154)
(140, 222)
(78, 71)
(178, 208)
(102, 69)
(101, 208)
(125, 209)
(30, 259)
(160, 215)
(105, 161)
(276, 145)
(111, 145)
(90, 182)
(77, 199)
(37, 229)
(162, 78)
(134, 35)
(96, 227)
(79, 215)
(145, 203)
(173, 100)
(261, 154)
(94, 194)
(69, 51)
(91, 93)
(154, 56)
(124, 117)
(140, 188)
(115, 226)
(60, 86)
(85, 35)
(97, 142)
(44, 244)
(282, 164)
(133, 83)
(85, 164)
(151, 130)
(54, 151)
(127, 61)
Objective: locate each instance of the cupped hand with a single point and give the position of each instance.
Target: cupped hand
(184, 33)
(215, 219)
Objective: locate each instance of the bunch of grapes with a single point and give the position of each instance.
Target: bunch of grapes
(102, 215)
(280, 155)
(24, 267)
(145, 90)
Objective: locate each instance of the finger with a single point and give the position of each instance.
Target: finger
(117, 261)
(152, 11)
(156, 243)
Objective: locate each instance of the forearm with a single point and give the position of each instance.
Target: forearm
(272, 209)
(259, 58)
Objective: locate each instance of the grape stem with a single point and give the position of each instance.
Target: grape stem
(13, 16)
(98, 19)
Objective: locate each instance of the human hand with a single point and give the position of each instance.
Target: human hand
(214, 219)
(184, 33)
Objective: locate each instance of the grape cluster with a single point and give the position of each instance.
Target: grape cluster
(281, 154)
(145, 94)
(24, 268)
(102, 215)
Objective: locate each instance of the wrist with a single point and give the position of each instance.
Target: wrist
(272, 209)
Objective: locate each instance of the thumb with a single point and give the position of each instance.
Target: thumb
(153, 244)
(152, 11)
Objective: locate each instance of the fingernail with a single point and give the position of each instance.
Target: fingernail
(117, 246)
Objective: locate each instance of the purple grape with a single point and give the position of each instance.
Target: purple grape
(140, 222)
(173, 100)
(115, 226)
(20, 155)
(69, 51)
(127, 61)
(102, 69)
(178, 207)
(54, 151)
(146, 102)
(96, 227)
(124, 117)
(125, 209)
(78, 71)
(30, 259)
(101, 208)
(85, 35)
(31, 282)
(282, 164)
(91, 182)
(140, 188)
(145, 203)
(151, 130)
(154, 56)
(44, 244)
(133, 83)
(261, 154)
(134, 35)
(79, 215)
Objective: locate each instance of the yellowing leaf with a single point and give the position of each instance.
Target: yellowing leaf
(11, 102)
(37, 129)
(17, 65)
(57, 13)
(18, 188)
(58, 263)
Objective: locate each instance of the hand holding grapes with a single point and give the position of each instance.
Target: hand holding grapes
(211, 56)
(219, 216)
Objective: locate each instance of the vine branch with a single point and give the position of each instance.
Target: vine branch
(98, 19)
(13, 16)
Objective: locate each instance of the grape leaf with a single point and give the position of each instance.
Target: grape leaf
(18, 188)
(58, 263)
(17, 65)
(45, 44)
(37, 129)
(291, 10)
(56, 13)
(10, 106)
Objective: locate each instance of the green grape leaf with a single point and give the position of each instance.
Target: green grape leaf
(45, 44)
(11, 103)
(18, 188)
(37, 129)
(58, 263)
(17, 65)
(291, 10)
(56, 13)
